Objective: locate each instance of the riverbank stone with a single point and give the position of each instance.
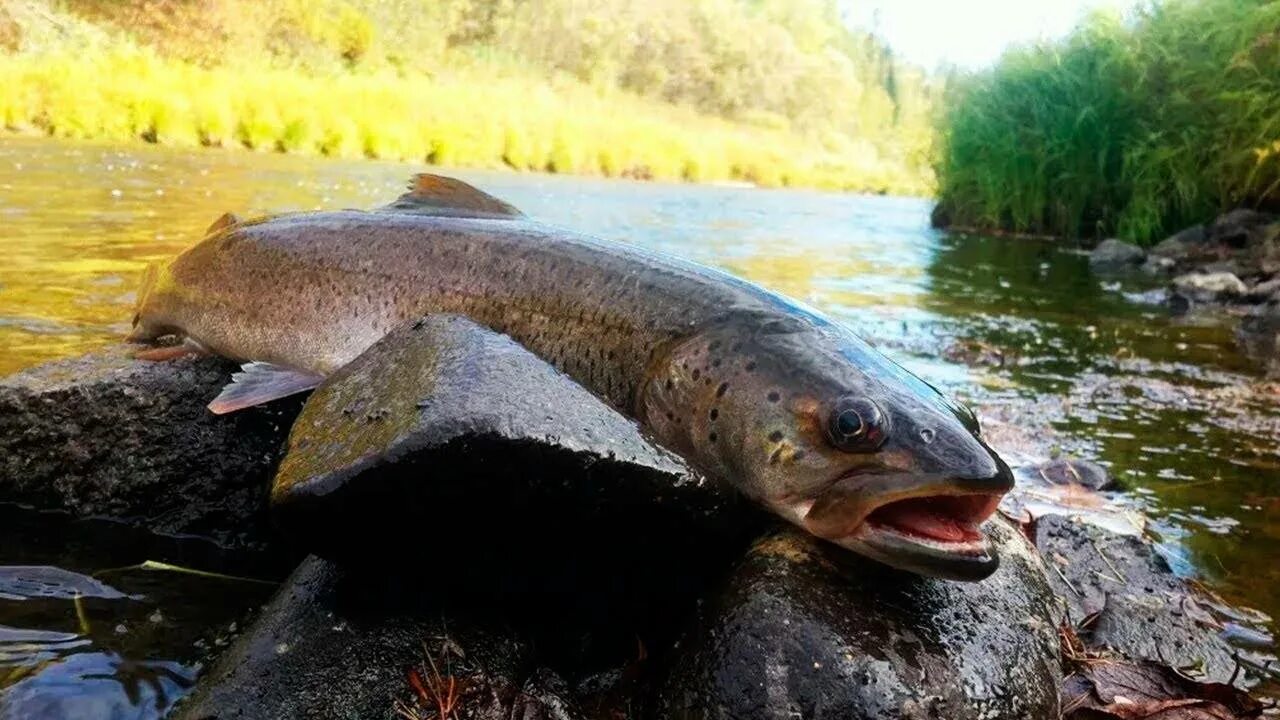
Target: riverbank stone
(105, 435)
(1112, 254)
(804, 630)
(1123, 597)
(1210, 287)
(331, 644)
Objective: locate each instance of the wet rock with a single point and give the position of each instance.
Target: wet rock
(97, 686)
(1113, 254)
(335, 645)
(1259, 335)
(1209, 287)
(1159, 266)
(106, 435)
(805, 630)
(1068, 471)
(1178, 245)
(1236, 228)
(449, 425)
(1124, 597)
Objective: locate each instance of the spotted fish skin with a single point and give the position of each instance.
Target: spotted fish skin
(741, 381)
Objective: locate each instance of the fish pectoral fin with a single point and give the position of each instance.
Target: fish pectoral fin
(261, 382)
(449, 197)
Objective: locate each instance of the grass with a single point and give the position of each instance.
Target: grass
(344, 92)
(1134, 128)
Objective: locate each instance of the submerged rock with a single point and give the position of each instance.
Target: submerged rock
(1259, 335)
(97, 686)
(1112, 254)
(806, 630)
(1122, 596)
(1068, 471)
(330, 645)
(107, 435)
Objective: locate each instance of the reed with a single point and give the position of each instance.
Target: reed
(1137, 127)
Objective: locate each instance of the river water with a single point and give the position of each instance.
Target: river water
(1021, 329)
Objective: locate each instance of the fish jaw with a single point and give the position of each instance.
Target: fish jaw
(928, 526)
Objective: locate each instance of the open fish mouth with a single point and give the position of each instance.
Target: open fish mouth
(936, 535)
(931, 529)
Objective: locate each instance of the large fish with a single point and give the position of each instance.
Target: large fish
(750, 387)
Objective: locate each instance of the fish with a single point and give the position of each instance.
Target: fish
(752, 388)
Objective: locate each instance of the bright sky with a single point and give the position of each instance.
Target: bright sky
(969, 33)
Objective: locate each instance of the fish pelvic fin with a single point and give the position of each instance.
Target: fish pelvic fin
(261, 382)
(449, 197)
(187, 347)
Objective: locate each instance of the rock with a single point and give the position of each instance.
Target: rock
(106, 435)
(804, 630)
(1177, 246)
(1124, 597)
(97, 686)
(940, 216)
(333, 645)
(1209, 287)
(1158, 266)
(1259, 335)
(1113, 254)
(1235, 228)
(1263, 291)
(444, 413)
(1068, 471)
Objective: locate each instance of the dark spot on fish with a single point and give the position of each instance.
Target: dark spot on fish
(671, 416)
(774, 396)
(697, 373)
(715, 363)
(751, 365)
(712, 437)
(736, 347)
(797, 454)
(721, 390)
(715, 413)
(776, 435)
(669, 383)
(777, 455)
(714, 344)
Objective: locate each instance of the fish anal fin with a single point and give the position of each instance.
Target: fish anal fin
(449, 197)
(261, 382)
(223, 222)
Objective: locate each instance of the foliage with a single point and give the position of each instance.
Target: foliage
(1138, 128)
(768, 91)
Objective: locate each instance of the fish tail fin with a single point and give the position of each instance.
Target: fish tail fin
(261, 382)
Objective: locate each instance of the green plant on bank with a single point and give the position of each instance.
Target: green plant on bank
(1136, 128)
(764, 91)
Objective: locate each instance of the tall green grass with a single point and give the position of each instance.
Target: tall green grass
(609, 87)
(1136, 128)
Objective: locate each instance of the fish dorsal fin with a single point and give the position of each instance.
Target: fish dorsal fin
(225, 221)
(449, 197)
(260, 382)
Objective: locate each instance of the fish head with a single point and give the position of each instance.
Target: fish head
(811, 422)
(152, 307)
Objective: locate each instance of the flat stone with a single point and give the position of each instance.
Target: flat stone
(333, 646)
(106, 435)
(1124, 597)
(1113, 254)
(1210, 287)
(802, 629)
(449, 424)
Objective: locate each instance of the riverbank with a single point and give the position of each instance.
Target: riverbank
(339, 84)
(1130, 127)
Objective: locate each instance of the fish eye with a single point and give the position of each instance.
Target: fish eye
(856, 425)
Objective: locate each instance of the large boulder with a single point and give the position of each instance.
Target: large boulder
(802, 629)
(332, 645)
(1237, 228)
(1113, 254)
(449, 431)
(107, 435)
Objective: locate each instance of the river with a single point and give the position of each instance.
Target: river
(1020, 329)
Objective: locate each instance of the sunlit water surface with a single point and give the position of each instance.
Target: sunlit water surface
(1179, 416)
